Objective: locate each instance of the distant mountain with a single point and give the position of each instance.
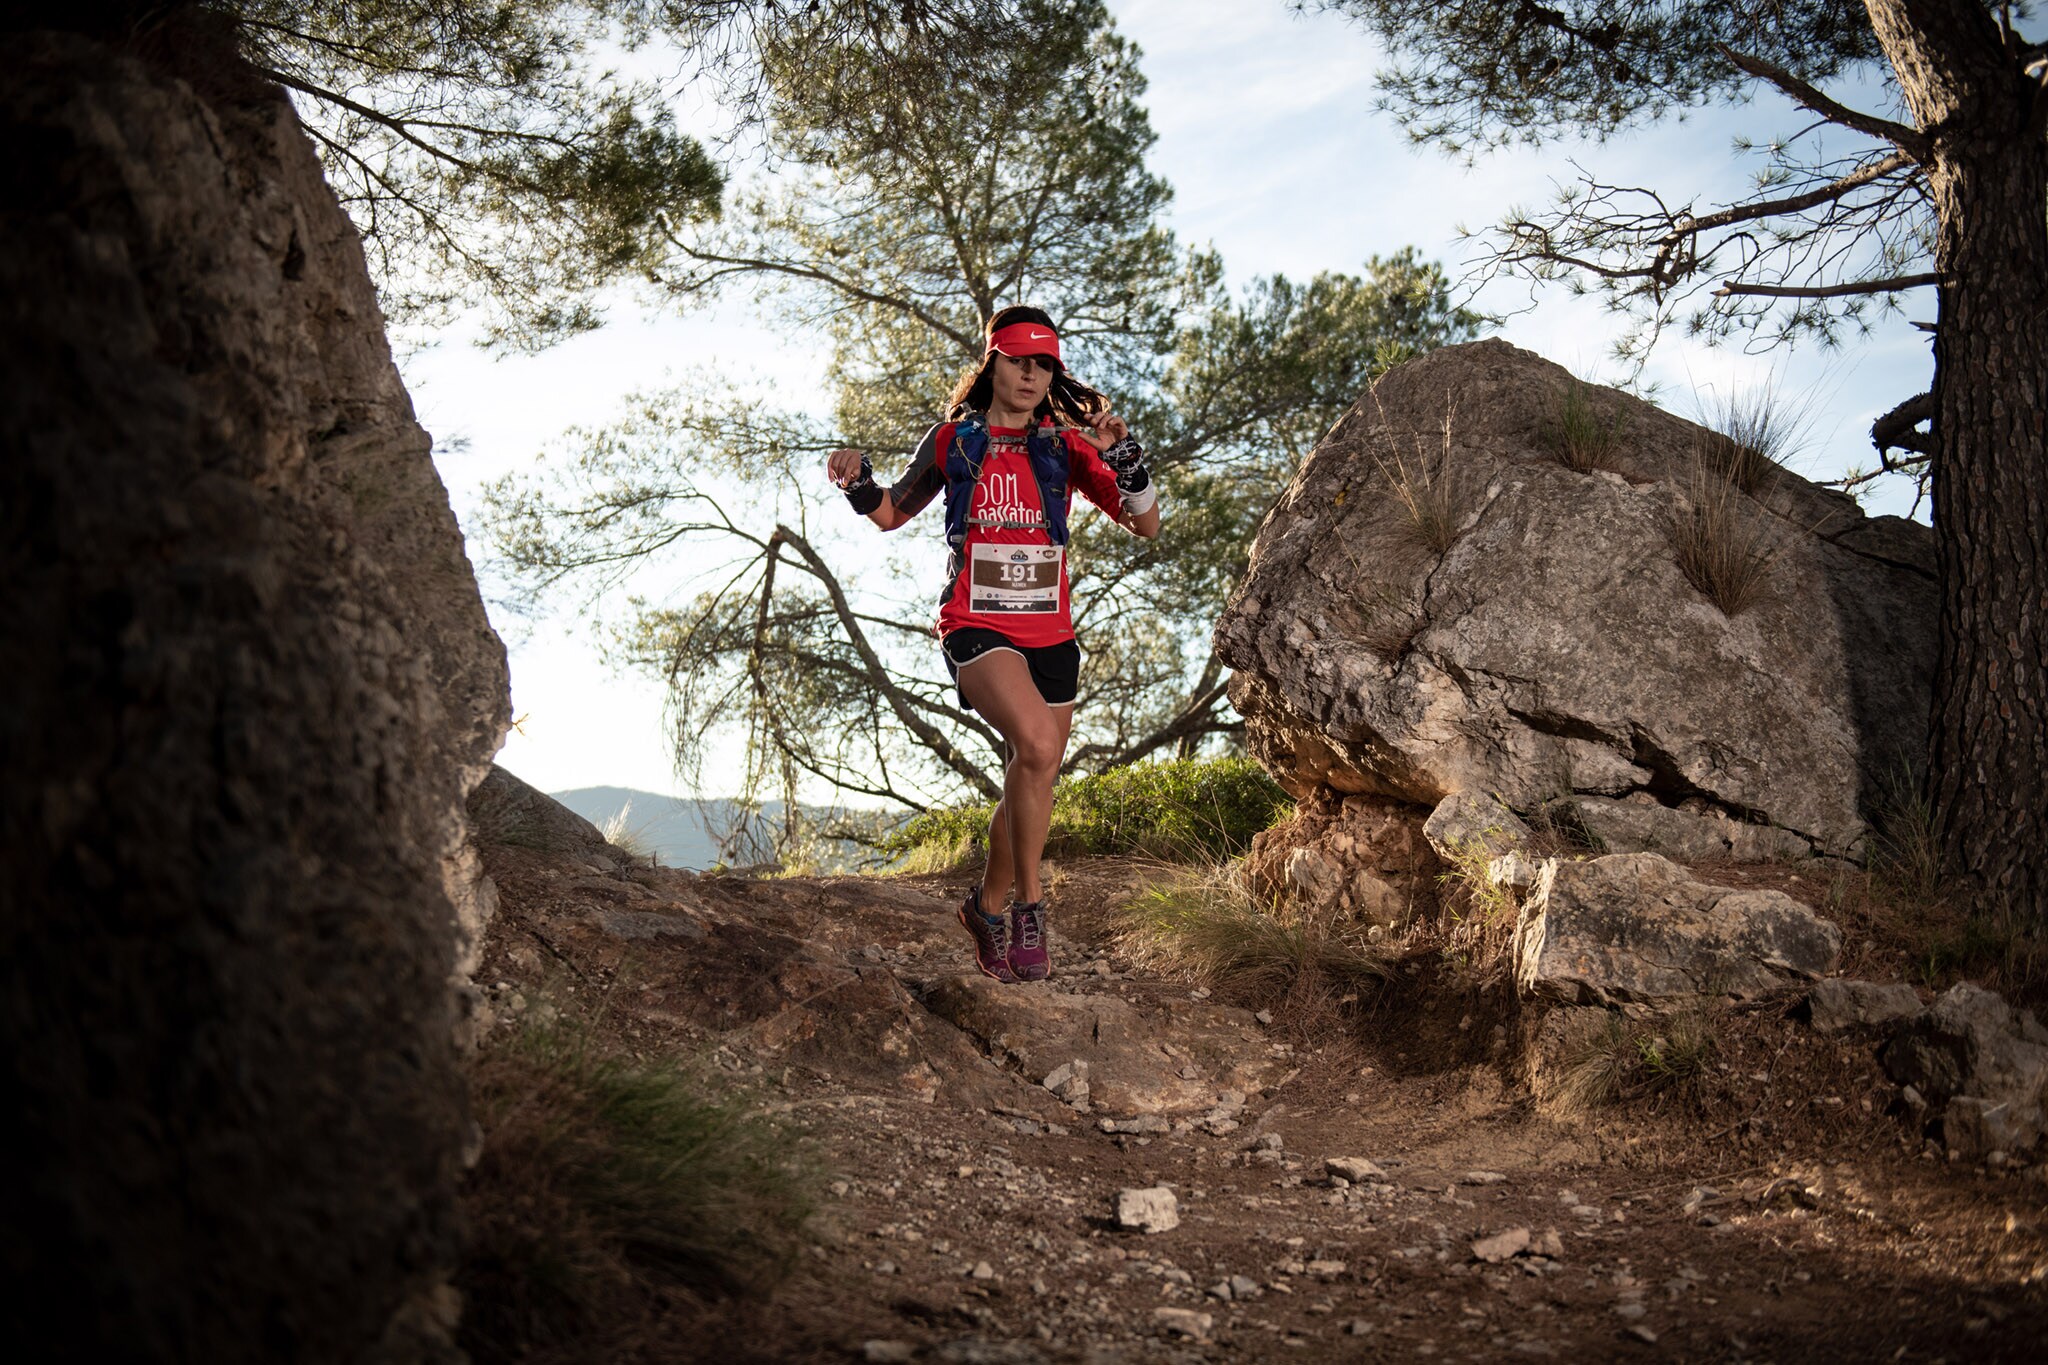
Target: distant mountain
(681, 831)
(676, 829)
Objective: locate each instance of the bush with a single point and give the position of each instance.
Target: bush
(1188, 810)
(607, 1186)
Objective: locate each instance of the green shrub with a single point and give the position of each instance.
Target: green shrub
(1188, 810)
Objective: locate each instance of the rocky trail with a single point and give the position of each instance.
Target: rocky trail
(1359, 1182)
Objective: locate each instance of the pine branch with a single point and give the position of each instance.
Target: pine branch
(1828, 291)
(1898, 429)
(1908, 140)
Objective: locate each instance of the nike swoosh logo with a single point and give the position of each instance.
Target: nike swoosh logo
(1037, 336)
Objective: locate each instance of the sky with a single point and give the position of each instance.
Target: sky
(1268, 134)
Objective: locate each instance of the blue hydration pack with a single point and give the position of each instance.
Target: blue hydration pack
(1048, 458)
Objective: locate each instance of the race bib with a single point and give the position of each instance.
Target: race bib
(1012, 578)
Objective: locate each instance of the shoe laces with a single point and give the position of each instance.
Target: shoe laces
(1028, 925)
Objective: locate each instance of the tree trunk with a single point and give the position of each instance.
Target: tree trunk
(1988, 750)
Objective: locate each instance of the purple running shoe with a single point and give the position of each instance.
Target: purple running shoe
(991, 938)
(1029, 958)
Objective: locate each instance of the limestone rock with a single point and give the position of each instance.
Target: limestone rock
(251, 683)
(1556, 649)
(1355, 1169)
(1982, 1064)
(1634, 928)
(1641, 824)
(1184, 1322)
(1837, 1004)
(1149, 1210)
(1474, 824)
(1361, 856)
(1502, 1246)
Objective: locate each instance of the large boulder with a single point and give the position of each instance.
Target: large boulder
(1555, 649)
(1633, 929)
(1981, 1065)
(250, 683)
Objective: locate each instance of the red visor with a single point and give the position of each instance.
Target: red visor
(1026, 338)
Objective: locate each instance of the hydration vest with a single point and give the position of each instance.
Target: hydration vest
(1048, 458)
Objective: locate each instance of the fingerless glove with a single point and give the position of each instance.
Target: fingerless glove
(1126, 459)
(862, 492)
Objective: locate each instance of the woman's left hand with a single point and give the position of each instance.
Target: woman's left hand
(1109, 429)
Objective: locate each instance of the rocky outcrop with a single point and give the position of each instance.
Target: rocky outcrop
(250, 686)
(1978, 1068)
(1358, 856)
(1178, 1060)
(1555, 649)
(1633, 929)
(507, 810)
(1836, 1004)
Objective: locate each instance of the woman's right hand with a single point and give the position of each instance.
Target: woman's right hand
(844, 466)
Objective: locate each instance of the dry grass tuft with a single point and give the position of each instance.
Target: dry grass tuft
(1580, 431)
(1201, 924)
(628, 838)
(1754, 433)
(1626, 1060)
(1427, 487)
(1726, 545)
(607, 1186)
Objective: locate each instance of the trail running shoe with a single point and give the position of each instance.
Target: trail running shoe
(991, 938)
(1028, 956)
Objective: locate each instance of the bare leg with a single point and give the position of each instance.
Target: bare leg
(999, 686)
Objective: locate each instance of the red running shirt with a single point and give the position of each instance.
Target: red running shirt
(1007, 492)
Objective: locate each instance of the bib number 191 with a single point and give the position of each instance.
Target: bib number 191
(1014, 578)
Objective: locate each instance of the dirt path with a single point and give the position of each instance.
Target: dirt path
(970, 1215)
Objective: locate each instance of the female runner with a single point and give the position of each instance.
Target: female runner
(1020, 435)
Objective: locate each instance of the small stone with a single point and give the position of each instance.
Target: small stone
(1143, 1123)
(1220, 1290)
(982, 1271)
(1549, 1244)
(1502, 1246)
(1243, 1287)
(1268, 1142)
(1355, 1169)
(1642, 1333)
(1148, 1211)
(882, 1352)
(885, 1267)
(1632, 1309)
(1358, 1327)
(1264, 1016)
(1326, 1269)
(1482, 1178)
(1184, 1322)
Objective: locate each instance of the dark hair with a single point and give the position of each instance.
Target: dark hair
(1067, 400)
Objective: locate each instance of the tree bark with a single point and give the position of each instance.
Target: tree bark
(1988, 173)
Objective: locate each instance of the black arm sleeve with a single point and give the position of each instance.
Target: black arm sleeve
(925, 478)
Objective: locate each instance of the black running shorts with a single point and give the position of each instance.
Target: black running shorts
(1056, 669)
